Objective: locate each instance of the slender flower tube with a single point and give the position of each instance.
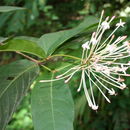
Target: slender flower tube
(101, 64)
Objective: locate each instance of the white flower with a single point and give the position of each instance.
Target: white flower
(100, 64)
(123, 86)
(112, 92)
(116, 69)
(126, 43)
(106, 71)
(120, 24)
(111, 48)
(123, 69)
(98, 67)
(105, 25)
(94, 41)
(86, 45)
(94, 107)
(120, 79)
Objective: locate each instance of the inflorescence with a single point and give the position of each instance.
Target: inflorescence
(101, 63)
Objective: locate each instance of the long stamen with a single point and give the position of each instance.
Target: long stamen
(83, 52)
(98, 88)
(100, 82)
(102, 13)
(108, 82)
(91, 88)
(107, 76)
(86, 91)
(44, 81)
(66, 81)
(80, 85)
(109, 36)
(73, 68)
(121, 57)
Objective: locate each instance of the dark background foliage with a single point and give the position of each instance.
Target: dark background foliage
(43, 16)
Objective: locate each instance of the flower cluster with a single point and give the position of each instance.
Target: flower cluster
(101, 63)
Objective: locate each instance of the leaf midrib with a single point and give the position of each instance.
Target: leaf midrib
(15, 79)
(52, 108)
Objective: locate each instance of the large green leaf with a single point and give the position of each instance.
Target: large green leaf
(49, 42)
(2, 39)
(52, 106)
(15, 79)
(23, 46)
(33, 39)
(10, 8)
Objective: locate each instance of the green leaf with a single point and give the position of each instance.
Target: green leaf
(33, 39)
(10, 8)
(52, 106)
(3, 39)
(15, 79)
(23, 46)
(80, 105)
(49, 42)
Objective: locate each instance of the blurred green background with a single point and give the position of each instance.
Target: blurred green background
(44, 16)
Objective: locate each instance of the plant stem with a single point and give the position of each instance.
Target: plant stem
(28, 57)
(34, 60)
(73, 57)
(46, 68)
